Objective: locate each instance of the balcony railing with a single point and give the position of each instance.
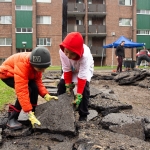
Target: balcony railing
(97, 29)
(75, 28)
(98, 51)
(96, 8)
(76, 7)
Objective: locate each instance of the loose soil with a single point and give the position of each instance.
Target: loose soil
(134, 95)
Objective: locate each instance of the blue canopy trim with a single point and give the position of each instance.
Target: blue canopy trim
(128, 43)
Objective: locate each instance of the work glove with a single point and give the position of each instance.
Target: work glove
(48, 97)
(33, 119)
(77, 101)
(69, 88)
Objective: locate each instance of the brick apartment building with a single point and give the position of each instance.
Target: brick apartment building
(25, 24)
(102, 22)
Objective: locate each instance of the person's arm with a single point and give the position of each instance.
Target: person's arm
(116, 52)
(82, 75)
(123, 52)
(137, 54)
(148, 53)
(21, 74)
(41, 88)
(66, 67)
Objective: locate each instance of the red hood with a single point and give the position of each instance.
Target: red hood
(73, 42)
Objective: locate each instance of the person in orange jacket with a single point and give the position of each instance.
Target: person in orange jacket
(23, 72)
(77, 66)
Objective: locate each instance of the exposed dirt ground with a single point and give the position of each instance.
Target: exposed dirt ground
(134, 95)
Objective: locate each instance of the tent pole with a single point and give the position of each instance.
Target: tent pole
(102, 57)
(112, 56)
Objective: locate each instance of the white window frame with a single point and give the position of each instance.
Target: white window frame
(23, 7)
(79, 1)
(143, 32)
(145, 12)
(48, 41)
(24, 30)
(79, 22)
(90, 2)
(125, 3)
(43, 1)
(122, 20)
(3, 19)
(43, 19)
(5, 41)
(90, 21)
(5, 0)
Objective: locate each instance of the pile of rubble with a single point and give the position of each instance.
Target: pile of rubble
(107, 127)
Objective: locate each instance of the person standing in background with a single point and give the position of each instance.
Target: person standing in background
(120, 55)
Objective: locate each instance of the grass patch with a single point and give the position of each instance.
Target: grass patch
(54, 68)
(7, 94)
(58, 68)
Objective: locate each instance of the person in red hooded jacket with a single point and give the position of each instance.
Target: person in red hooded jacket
(77, 66)
(23, 72)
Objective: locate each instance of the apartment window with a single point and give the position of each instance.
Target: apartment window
(5, 42)
(125, 2)
(23, 7)
(79, 22)
(125, 22)
(89, 1)
(79, 1)
(43, 41)
(147, 12)
(43, 1)
(23, 30)
(90, 21)
(43, 20)
(2, 60)
(143, 32)
(5, 19)
(5, 0)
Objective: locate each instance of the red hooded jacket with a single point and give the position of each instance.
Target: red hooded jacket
(74, 43)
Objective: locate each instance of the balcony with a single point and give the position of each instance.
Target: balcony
(76, 9)
(98, 51)
(97, 30)
(97, 10)
(76, 28)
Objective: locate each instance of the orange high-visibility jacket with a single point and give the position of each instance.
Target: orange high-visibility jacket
(19, 67)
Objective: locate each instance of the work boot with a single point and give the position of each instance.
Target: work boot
(12, 123)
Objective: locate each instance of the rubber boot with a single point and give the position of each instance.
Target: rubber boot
(12, 123)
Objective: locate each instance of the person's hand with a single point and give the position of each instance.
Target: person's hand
(33, 119)
(77, 100)
(69, 88)
(48, 97)
(117, 57)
